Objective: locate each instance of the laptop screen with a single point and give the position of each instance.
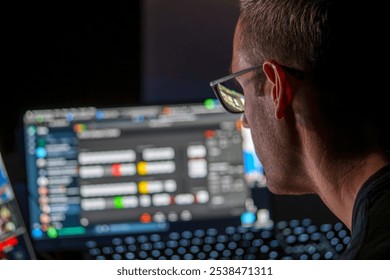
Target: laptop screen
(15, 243)
(99, 172)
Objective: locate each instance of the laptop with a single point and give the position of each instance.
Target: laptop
(15, 243)
(171, 181)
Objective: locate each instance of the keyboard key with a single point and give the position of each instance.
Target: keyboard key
(303, 238)
(342, 233)
(130, 240)
(201, 256)
(334, 241)
(339, 248)
(316, 256)
(142, 239)
(258, 242)
(306, 222)
(117, 241)
(311, 229)
(155, 238)
(116, 257)
(107, 250)
(338, 226)
(266, 234)
(346, 240)
(214, 254)
(181, 250)
(210, 240)
(130, 256)
(239, 252)
(143, 254)
(232, 245)
(219, 246)
(159, 245)
(146, 246)
(273, 255)
(304, 257)
(212, 232)
(250, 257)
(120, 249)
(248, 236)
(174, 236)
(207, 248)
(330, 234)
(194, 249)
(222, 238)
(281, 225)
(241, 229)
(311, 249)
(316, 236)
(326, 227)
(298, 249)
(172, 244)
(168, 252)
(184, 242)
(132, 248)
(294, 223)
(199, 233)
(186, 234)
(91, 244)
(264, 249)
(329, 255)
(299, 230)
(227, 253)
(94, 251)
(197, 241)
(230, 230)
(291, 239)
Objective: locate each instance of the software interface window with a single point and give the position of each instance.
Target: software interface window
(99, 172)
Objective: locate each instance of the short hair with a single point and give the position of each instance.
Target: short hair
(321, 38)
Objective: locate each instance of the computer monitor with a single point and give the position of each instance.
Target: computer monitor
(94, 173)
(15, 243)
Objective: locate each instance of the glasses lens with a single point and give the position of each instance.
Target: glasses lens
(231, 96)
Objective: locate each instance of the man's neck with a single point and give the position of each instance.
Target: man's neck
(339, 192)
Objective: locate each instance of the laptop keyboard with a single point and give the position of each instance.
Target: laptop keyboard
(294, 239)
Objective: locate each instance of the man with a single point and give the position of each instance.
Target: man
(311, 89)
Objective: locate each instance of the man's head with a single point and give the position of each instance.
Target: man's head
(335, 97)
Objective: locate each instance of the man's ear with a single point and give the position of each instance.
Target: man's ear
(281, 87)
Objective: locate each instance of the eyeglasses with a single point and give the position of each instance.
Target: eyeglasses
(230, 93)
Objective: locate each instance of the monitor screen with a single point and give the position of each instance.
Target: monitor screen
(184, 46)
(15, 243)
(99, 172)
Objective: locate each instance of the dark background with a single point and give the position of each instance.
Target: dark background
(62, 54)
